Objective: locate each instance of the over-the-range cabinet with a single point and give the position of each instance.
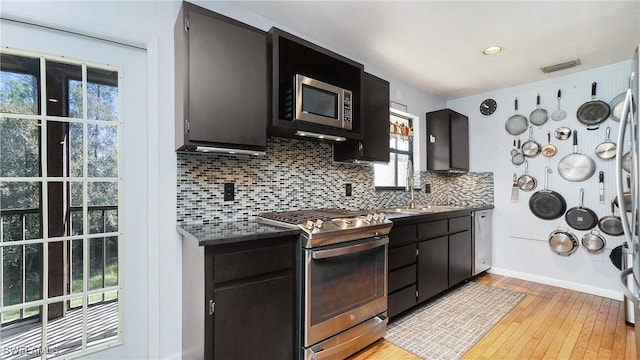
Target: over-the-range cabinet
(374, 146)
(221, 81)
(447, 141)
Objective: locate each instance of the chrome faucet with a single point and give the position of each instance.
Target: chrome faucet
(409, 184)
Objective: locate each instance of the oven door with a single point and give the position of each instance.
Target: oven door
(344, 285)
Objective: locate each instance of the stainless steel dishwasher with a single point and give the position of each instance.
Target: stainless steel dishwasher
(481, 235)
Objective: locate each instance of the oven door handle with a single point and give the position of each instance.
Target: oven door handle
(323, 254)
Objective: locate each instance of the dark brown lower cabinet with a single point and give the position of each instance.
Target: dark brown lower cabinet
(442, 260)
(459, 257)
(432, 267)
(253, 320)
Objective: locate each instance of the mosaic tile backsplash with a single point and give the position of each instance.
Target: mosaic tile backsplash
(296, 174)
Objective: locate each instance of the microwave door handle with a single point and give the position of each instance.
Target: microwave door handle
(323, 254)
(619, 176)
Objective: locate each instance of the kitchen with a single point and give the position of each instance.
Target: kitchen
(582, 272)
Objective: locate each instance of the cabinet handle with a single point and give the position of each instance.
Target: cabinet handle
(432, 139)
(186, 125)
(212, 307)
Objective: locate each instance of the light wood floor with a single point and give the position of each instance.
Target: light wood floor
(549, 323)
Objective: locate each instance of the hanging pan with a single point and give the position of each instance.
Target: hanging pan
(531, 148)
(594, 111)
(581, 218)
(576, 166)
(562, 242)
(558, 114)
(593, 241)
(516, 124)
(562, 133)
(538, 116)
(606, 150)
(547, 204)
(526, 182)
(626, 161)
(626, 197)
(548, 150)
(611, 224)
(616, 105)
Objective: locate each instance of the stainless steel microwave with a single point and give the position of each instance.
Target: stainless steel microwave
(309, 100)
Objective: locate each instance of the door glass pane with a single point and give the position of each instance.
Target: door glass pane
(102, 152)
(20, 211)
(60, 95)
(103, 202)
(75, 149)
(111, 258)
(102, 94)
(76, 268)
(19, 147)
(12, 281)
(23, 342)
(96, 265)
(64, 333)
(102, 320)
(33, 275)
(77, 218)
(19, 84)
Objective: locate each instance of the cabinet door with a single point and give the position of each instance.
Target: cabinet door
(459, 257)
(438, 140)
(227, 81)
(432, 267)
(254, 320)
(374, 145)
(459, 141)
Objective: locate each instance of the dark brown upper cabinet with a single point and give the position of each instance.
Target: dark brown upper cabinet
(291, 55)
(374, 146)
(447, 141)
(221, 79)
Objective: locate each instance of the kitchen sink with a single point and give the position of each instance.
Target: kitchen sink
(423, 209)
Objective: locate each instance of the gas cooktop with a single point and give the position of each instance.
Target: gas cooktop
(332, 225)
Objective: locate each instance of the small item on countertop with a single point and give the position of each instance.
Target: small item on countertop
(601, 185)
(515, 188)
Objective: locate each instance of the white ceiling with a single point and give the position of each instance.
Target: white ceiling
(436, 45)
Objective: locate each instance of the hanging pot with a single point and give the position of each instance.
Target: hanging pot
(562, 242)
(626, 197)
(538, 116)
(576, 166)
(516, 124)
(611, 224)
(594, 111)
(547, 204)
(526, 182)
(549, 150)
(531, 148)
(606, 150)
(562, 133)
(580, 217)
(593, 241)
(616, 105)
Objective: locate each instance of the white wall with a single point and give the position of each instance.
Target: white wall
(520, 239)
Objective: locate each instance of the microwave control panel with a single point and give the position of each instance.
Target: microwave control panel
(347, 115)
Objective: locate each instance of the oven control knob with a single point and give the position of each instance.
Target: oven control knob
(382, 216)
(369, 218)
(319, 223)
(310, 225)
(376, 217)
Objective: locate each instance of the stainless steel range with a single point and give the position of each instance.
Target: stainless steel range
(343, 278)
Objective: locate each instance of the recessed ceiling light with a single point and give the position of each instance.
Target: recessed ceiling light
(492, 50)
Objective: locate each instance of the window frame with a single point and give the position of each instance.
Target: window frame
(413, 119)
(86, 237)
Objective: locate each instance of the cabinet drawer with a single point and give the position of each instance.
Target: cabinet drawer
(402, 277)
(401, 301)
(251, 262)
(432, 229)
(402, 235)
(402, 256)
(459, 224)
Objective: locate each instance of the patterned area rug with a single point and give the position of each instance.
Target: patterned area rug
(449, 326)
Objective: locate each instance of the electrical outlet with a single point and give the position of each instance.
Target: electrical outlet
(229, 192)
(348, 189)
(427, 188)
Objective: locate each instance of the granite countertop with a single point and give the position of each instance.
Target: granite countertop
(232, 232)
(220, 233)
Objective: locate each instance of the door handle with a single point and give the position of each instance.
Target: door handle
(323, 254)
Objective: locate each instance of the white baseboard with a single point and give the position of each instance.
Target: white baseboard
(615, 295)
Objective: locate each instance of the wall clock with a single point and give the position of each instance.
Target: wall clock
(488, 107)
